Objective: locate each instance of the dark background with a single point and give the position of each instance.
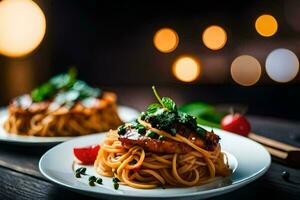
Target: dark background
(110, 43)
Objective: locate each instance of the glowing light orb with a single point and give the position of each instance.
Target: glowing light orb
(214, 37)
(245, 70)
(186, 69)
(22, 27)
(282, 65)
(266, 25)
(166, 40)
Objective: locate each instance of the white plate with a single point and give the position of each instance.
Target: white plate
(248, 159)
(126, 114)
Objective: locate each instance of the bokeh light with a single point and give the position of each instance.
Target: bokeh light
(166, 40)
(282, 65)
(186, 69)
(266, 25)
(22, 27)
(214, 37)
(245, 70)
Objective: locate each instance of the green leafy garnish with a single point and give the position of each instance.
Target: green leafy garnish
(64, 81)
(152, 108)
(115, 180)
(151, 134)
(81, 170)
(162, 137)
(44, 91)
(169, 104)
(165, 102)
(121, 130)
(92, 178)
(65, 90)
(116, 186)
(165, 116)
(99, 181)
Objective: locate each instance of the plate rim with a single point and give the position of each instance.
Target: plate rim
(207, 193)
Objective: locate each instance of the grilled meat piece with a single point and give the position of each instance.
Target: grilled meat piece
(133, 137)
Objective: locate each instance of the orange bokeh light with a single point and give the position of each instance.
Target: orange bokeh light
(266, 25)
(214, 37)
(166, 40)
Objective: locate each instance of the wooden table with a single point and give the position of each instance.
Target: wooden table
(20, 177)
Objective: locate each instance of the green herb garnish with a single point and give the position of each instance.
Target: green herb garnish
(115, 180)
(92, 183)
(165, 102)
(99, 181)
(141, 129)
(121, 130)
(165, 116)
(151, 134)
(64, 89)
(161, 137)
(77, 175)
(81, 170)
(92, 178)
(116, 186)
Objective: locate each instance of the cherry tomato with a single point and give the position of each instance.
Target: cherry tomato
(236, 123)
(86, 155)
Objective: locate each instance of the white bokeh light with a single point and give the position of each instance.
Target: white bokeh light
(282, 65)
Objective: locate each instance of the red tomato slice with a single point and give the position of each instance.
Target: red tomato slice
(86, 155)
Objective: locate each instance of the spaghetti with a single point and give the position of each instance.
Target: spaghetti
(143, 156)
(64, 106)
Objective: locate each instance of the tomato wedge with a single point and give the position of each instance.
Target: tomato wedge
(86, 155)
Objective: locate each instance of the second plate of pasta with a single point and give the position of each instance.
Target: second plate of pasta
(126, 114)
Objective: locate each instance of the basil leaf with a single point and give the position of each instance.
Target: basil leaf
(64, 81)
(152, 108)
(44, 91)
(169, 104)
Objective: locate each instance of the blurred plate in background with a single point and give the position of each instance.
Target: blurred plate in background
(126, 114)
